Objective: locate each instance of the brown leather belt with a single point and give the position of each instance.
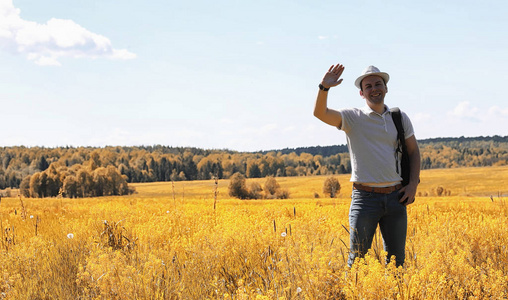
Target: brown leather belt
(380, 190)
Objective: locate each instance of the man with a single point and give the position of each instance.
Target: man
(378, 196)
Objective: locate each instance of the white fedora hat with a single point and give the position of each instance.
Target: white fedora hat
(369, 71)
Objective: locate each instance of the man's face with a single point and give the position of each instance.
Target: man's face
(374, 89)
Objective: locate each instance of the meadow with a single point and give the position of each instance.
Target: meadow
(190, 240)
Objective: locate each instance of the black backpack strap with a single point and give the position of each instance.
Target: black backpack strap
(401, 147)
(397, 119)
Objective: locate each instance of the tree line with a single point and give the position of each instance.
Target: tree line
(158, 163)
(77, 181)
(163, 163)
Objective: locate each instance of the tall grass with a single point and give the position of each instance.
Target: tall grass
(200, 245)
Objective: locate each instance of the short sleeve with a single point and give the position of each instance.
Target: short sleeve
(348, 118)
(408, 126)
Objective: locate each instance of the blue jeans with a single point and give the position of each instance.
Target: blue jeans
(366, 212)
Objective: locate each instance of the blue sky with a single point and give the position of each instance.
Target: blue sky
(242, 75)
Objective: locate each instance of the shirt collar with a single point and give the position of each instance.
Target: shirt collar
(367, 110)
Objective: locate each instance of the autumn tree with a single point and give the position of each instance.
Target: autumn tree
(271, 186)
(238, 187)
(273, 190)
(71, 187)
(75, 182)
(253, 170)
(255, 190)
(331, 187)
(24, 187)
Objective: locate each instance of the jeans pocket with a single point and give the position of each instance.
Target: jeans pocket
(359, 194)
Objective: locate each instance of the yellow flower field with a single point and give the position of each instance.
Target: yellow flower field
(168, 242)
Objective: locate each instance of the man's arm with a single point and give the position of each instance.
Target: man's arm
(414, 167)
(321, 110)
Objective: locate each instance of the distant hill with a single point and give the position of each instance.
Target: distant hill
(456, 142)
(495, 138)
(315, 150)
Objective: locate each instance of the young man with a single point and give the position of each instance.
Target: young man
(378, 196)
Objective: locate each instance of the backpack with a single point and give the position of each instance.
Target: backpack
(401, 146)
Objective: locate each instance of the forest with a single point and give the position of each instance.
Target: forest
(93, 171)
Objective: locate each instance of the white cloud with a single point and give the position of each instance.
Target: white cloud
(422, 117)
(45, 43)
(258, 131)
(226, 121)
(467, 119)
(325, 37)
(43, 60)
(288, 129)
(189, 133)
(497, 111)
(465, 110)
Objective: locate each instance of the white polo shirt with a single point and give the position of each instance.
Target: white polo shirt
(372, 144)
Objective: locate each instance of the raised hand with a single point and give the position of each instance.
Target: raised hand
(332, 77)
